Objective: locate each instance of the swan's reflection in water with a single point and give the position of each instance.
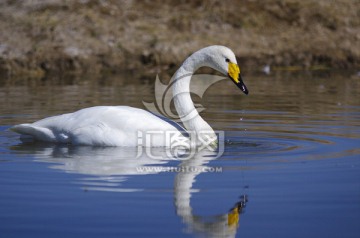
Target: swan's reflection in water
(107, 168)
(224, 225)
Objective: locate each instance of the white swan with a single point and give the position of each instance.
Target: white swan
(120, 125)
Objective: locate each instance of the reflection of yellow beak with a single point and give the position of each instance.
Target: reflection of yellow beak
(234, 72)
(233, 217)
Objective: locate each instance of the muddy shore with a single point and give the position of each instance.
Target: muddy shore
(39, 38)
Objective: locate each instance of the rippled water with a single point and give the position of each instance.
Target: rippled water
(290, 167)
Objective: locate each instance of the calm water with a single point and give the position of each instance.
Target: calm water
(291, 166)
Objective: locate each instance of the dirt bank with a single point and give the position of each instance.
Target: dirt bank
(88, 36)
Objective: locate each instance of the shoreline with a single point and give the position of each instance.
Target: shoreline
(41, 38)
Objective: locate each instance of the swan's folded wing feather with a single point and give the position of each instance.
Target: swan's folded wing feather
(102, 126)
(39, 133)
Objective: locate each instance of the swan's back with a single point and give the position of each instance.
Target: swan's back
(99, 126)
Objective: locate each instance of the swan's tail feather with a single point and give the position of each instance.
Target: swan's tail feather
(38, 133)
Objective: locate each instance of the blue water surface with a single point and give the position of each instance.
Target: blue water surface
(290, 167)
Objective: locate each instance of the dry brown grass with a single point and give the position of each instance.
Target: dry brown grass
(79, 36)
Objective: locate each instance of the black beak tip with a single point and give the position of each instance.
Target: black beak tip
(242, 86)
(246, 91)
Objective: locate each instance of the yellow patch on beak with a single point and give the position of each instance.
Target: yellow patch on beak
(234, 72)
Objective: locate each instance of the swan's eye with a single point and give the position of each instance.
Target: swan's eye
(227, 60)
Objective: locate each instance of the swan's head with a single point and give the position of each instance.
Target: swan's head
(223, 60)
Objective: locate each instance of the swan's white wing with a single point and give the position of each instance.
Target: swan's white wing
(102, 126)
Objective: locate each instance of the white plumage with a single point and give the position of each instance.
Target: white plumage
(100, 126)
(121, 125)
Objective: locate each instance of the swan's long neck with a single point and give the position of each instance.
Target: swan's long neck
(182, 99)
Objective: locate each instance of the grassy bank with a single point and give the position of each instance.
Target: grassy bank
(87, 36)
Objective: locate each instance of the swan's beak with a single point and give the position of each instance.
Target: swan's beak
(242, 86)
(235, 76)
